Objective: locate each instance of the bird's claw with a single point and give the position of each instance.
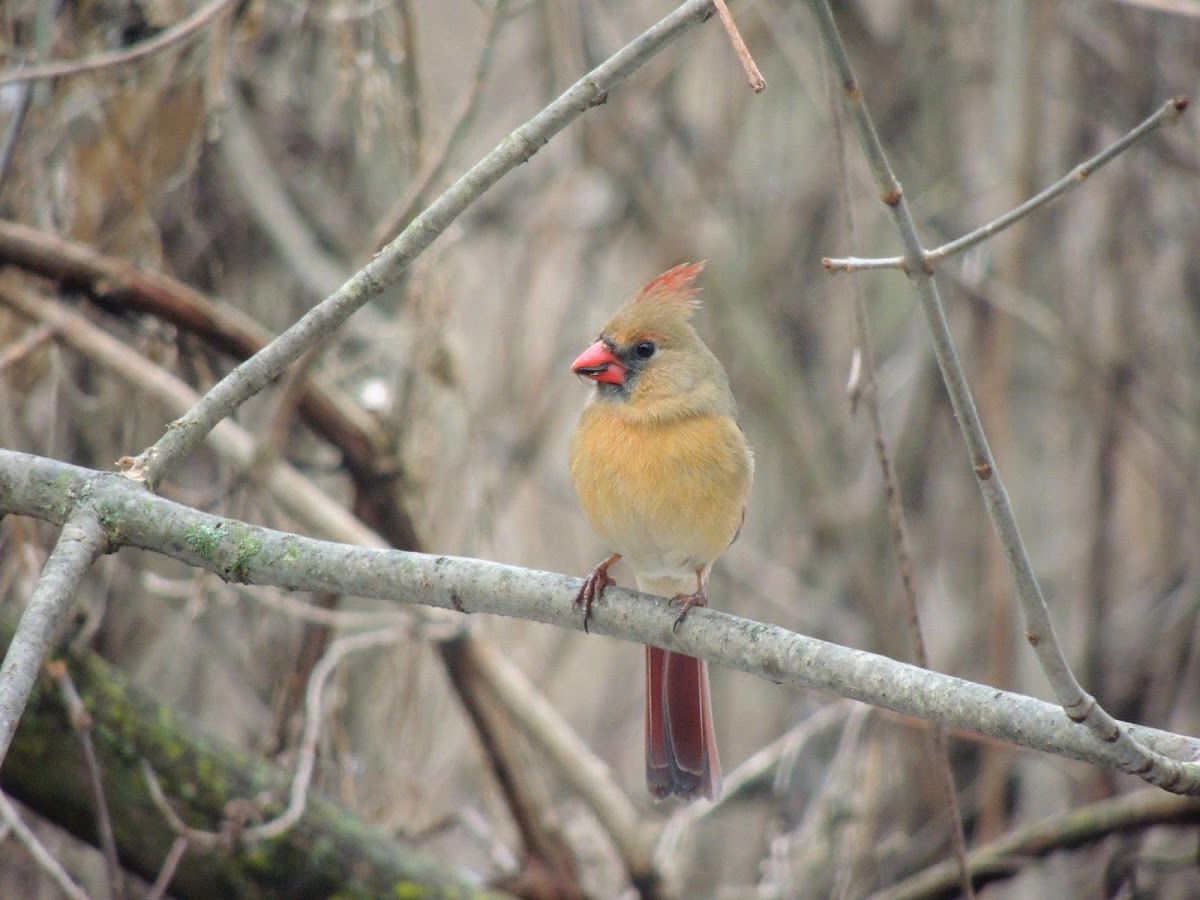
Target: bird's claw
(593, 588)
(687, 601)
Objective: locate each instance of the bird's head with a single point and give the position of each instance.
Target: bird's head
(648, 354)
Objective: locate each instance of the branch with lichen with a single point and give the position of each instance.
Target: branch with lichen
(237, 551)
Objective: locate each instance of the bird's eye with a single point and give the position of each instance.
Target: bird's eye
(645, 349)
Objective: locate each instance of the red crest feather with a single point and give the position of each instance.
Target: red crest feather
(673, 288)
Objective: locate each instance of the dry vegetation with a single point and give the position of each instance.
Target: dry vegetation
(263, 161)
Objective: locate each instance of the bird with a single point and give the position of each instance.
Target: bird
(662, 471)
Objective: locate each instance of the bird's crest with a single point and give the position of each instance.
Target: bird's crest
(673, 289)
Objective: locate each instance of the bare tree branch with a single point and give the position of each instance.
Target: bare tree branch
(864, 386)
(34, 486)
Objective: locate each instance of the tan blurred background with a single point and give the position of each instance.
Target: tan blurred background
(1079, 329)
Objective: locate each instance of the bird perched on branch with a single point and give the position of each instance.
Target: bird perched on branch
(663, 471)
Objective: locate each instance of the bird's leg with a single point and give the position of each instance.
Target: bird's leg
(700, 598)
(593, 587)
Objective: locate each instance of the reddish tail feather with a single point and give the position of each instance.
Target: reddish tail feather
(681, 748)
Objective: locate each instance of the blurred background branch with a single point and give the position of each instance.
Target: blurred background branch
(209, 785)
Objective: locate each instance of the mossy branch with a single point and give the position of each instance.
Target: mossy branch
(327, 852)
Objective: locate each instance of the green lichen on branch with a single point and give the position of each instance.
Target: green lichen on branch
(205, 539)
(249, 546)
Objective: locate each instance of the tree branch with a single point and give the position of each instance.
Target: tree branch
(81, 541)
(235, 551)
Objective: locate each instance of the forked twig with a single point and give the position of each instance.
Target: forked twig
(306, 756)
(1167, 114)
(158, 890)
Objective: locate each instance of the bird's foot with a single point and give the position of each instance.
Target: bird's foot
(687, 601)
(593, 587)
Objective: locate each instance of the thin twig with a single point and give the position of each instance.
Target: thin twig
(44, 858)
(757, 83)
(172, 35)
(18, 350)
(306, 754)
(252, 376)
(19, 108)
(204, 840)
(81, 724)
(158, 890)
(22, 97)
(80, 542)
(410, 70)
(1178, 7)
(1081, 708)
(418, 189)
(1167, 114)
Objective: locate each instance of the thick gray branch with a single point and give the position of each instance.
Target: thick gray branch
(33, 486)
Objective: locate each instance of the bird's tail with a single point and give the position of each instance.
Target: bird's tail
(681, 747)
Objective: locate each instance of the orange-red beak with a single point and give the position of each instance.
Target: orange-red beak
(599, 363)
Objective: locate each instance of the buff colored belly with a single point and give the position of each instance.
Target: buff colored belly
(667, 497)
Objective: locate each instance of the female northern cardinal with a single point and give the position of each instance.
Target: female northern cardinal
(662, 471)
